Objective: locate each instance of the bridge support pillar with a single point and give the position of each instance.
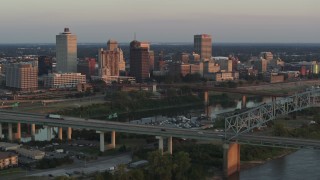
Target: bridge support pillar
(231, 159)
(160, 143)
(60, 133)
(170, 144)
(33, 132)
(69, 133)
(9, 131)
(19, 131)
(244, 102)
(0, 131)
(206, 103)
(101, 141)
(113, 140)
(49, 132)
(161, 147)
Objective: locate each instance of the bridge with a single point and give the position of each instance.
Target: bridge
(257, 117)
(240, 124)
(236, 128)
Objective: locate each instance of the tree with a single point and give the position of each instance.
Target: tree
(160, 166)
(136, 174)
(279, 130)
(316, 118)
(120, 173)
(181, 165)
(99, 176)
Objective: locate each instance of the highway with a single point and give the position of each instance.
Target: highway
(107, 126)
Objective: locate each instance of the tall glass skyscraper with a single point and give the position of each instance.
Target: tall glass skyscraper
(203, 46)
(66, 52)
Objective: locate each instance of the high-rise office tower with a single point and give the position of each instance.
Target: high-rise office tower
(87, 67)
(139, 60)
(111, 60)
(44, 65)
(203, 45)
(66, 52)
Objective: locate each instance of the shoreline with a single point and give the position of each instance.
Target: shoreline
(246, 165)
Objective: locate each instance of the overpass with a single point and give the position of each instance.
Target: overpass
(236, 128)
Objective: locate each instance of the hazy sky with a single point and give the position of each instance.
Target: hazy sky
(38, 21)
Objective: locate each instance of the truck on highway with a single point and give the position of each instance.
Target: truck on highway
(54, 116)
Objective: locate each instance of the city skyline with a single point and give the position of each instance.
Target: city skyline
(245, 21)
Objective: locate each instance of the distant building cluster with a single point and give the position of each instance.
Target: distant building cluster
(141, 64)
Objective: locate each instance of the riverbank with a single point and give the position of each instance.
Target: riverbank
(245, 165)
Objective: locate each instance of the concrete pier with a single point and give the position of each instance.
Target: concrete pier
(170, 144)
(60, 133)
(113, 140)
(19, 131)
(160, 143)
(33, 132)
(231, 159)
(69, 133)
(49, 132)
(9, 131)
(101, 141)
(0, 131)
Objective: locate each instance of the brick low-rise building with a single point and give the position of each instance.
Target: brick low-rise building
(8, 159)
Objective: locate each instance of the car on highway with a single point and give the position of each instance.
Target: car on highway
(163, 129)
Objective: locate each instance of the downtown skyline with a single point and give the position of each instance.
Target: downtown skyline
(245, 21)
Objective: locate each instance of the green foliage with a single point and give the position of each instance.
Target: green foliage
(250, 153)
(181, 165)
(309, 131)
(104, 176)
(126, 104)
(316, 118)
(279, 130)
(205, 154)
(120, 173)
(136, 174)
(160, 166)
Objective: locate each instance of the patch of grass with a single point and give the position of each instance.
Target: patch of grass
(9, 171)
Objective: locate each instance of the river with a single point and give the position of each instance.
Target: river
(302, 164)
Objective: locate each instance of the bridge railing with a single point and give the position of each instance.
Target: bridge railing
(258, 117)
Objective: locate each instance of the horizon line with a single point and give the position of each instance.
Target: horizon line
(163, 43)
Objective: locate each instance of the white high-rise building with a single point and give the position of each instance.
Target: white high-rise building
(66, 52)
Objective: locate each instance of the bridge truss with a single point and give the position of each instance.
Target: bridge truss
(258, 117)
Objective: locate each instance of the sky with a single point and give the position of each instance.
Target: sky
(96, 21)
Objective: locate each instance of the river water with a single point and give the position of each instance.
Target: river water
(303, 164)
